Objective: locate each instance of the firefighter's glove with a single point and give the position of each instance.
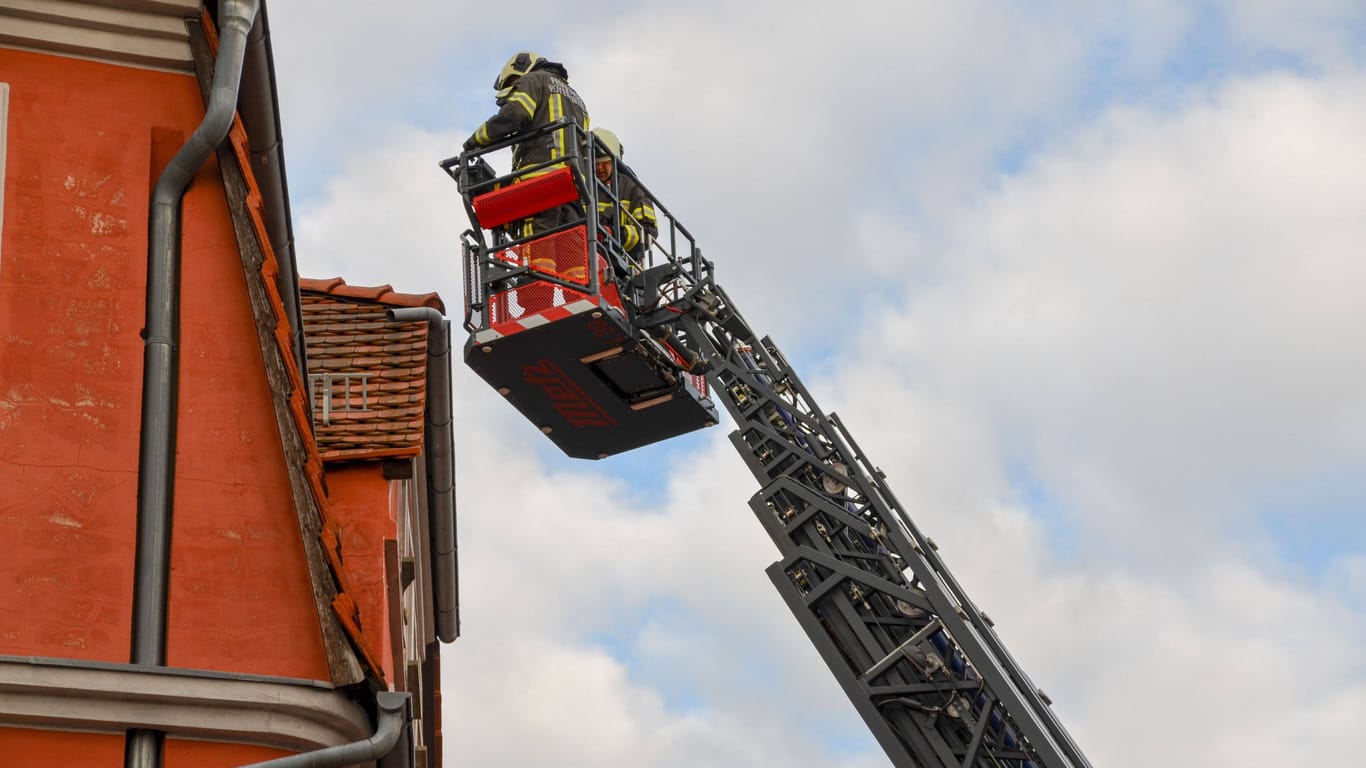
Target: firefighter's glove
(469, 144)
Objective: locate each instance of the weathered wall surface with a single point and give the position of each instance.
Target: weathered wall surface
(86, 142)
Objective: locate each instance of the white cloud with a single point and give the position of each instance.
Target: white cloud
(556, 567)
(773, 132)
(1159, 319)
(1171, 298)
(394, 217)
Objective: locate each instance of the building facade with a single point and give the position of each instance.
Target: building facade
(303, 591)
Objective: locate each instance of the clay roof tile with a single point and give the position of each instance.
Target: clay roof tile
(368, 376)
(383, 294)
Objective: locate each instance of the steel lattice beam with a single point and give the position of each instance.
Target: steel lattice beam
(920, 663)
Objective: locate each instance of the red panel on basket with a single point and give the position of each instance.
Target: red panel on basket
(525, 198)
(563, 254)
(543, 299)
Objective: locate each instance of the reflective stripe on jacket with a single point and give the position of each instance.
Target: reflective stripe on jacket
(637, 213)
(537, 99)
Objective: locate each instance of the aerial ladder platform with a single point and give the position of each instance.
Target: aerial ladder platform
(604, 351)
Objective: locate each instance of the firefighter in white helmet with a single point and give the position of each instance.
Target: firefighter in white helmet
(636, 214)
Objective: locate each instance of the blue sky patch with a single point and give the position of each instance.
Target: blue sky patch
(1060, 522)
(1316, 520)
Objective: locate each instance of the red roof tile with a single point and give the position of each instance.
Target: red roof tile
(376, 370)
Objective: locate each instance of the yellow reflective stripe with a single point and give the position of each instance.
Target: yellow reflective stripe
(481, 136)
(557, 112)
(605, 208)
(525, 100)
(540, 172)
(642, 213)
(630, 236)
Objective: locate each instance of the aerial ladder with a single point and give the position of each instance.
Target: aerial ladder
(605, 351)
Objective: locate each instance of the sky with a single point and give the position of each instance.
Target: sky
(1084, 279)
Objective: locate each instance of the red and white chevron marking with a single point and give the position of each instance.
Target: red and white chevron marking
(504, 329)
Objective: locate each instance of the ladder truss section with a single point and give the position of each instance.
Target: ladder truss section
(920, 663)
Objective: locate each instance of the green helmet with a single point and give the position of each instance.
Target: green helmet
(521, 63)
(610, 140)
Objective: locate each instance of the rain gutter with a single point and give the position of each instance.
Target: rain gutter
(393, 720)
(438, 445)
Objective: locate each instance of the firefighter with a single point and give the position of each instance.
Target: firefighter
(637, 213)
(534, 92)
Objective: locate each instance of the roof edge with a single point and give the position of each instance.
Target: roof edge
(382, 294)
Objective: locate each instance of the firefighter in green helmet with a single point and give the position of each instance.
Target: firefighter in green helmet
(533, 92)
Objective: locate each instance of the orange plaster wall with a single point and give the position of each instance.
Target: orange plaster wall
(72, 280)
(71, 272)
(200, 754)
(24, 747)
(360, 506)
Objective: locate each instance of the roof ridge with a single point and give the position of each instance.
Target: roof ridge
(383, 294)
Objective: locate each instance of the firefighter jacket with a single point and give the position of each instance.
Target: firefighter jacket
(636, 215)
(537, 99)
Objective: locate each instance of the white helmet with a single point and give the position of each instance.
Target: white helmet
(610, 141)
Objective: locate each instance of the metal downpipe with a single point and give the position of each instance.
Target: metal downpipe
(393, 718)
(160, 366)
(438, 445)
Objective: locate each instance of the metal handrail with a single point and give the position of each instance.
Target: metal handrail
(486, 273)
